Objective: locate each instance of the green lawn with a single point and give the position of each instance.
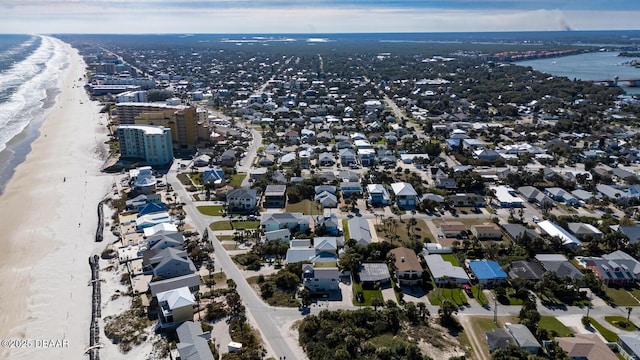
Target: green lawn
(307, 207)
(451, 258)
(368, 295)
(621, 323)
(227, 225)
(479, 295)
(212, 210)
(606, 333)
(551, 323)
(236, 179)
(455, 295)
(224, 237)
(620, 296)
(195, 178)
(246, 224)
(510, 299)
(221, 225)
(345, 228)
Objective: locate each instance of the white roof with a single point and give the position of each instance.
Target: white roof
(554, 230)
(440, 268)
(403, 189)
(154, 229)
(503, 194)
(177, 298)
(148, 129)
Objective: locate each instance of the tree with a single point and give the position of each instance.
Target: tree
(511, 352)
(305, 297)
(446, 311)
(376, 302)
(211, 268)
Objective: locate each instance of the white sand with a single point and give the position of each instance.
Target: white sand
(44, 269)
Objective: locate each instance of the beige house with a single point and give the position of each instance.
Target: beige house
(486, 231)
(176, 307)
(407, 266)
(452, 229)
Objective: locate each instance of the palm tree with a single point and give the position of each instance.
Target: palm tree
(211, 268)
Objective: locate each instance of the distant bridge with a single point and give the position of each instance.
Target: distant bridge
(615, 81)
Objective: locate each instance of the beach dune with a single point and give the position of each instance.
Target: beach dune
(48, 221)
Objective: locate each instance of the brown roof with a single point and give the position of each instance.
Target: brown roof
(453, 226)
(406, 259)
(587, 346)
(488, 227)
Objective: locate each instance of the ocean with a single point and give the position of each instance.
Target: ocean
(30, 68)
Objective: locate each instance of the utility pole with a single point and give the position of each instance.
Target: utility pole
(495, 310)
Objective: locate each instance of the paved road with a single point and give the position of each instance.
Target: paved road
(268, 320)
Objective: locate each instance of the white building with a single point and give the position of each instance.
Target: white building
(148, 142)
(555, 230)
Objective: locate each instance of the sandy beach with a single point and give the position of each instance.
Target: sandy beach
(48, 226)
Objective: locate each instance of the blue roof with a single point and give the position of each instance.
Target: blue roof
(152, 208)
(453, 142)
(485, 269)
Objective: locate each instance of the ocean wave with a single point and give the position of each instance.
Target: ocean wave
(33, 83)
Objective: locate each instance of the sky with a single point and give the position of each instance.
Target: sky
(313, 16)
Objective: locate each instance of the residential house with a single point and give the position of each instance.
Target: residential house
(366, 156)
(150, 220)
(191, 281)
(347, 157)
(176, 307)
(164, 239)
(524, 338)
(152, 208)
(517, 231)
(499, 339)
(202, 160)
(583, 195)
(282, 235)
(467, 200)
(213, 177)
(320, 280)
(585, 346)
(486, 154)
(629, 344)
(267, 160)
(632, 233)
(228, 158)
(295, 222)
(348, 176)
(622, 258)
(327, 199)
(378, 195)
(554, 230)
(193, 342)
(444, 272)
(559, 264)
(452, 229)
(374, 274)
(505, 197)
(582, 230)
(241, 200)
(275, 196)
(150, 231)
(359, 230)
(348, 188)
(443, 180)
(487, 272)
(533, 195)
(487, 231)
(327, 224)
(141, 200)
(292, 136)
(610, 271)
(526, 269)
(326, 159)
(408, 270)
(561, 195)
(325, 188)
(168, 263)
(405, 195)
(300, 250)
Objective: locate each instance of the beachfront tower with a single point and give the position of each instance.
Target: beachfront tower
(151, 143)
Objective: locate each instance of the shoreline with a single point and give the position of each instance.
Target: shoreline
(49, 224)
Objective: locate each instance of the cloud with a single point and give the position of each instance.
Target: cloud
(317, 16)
